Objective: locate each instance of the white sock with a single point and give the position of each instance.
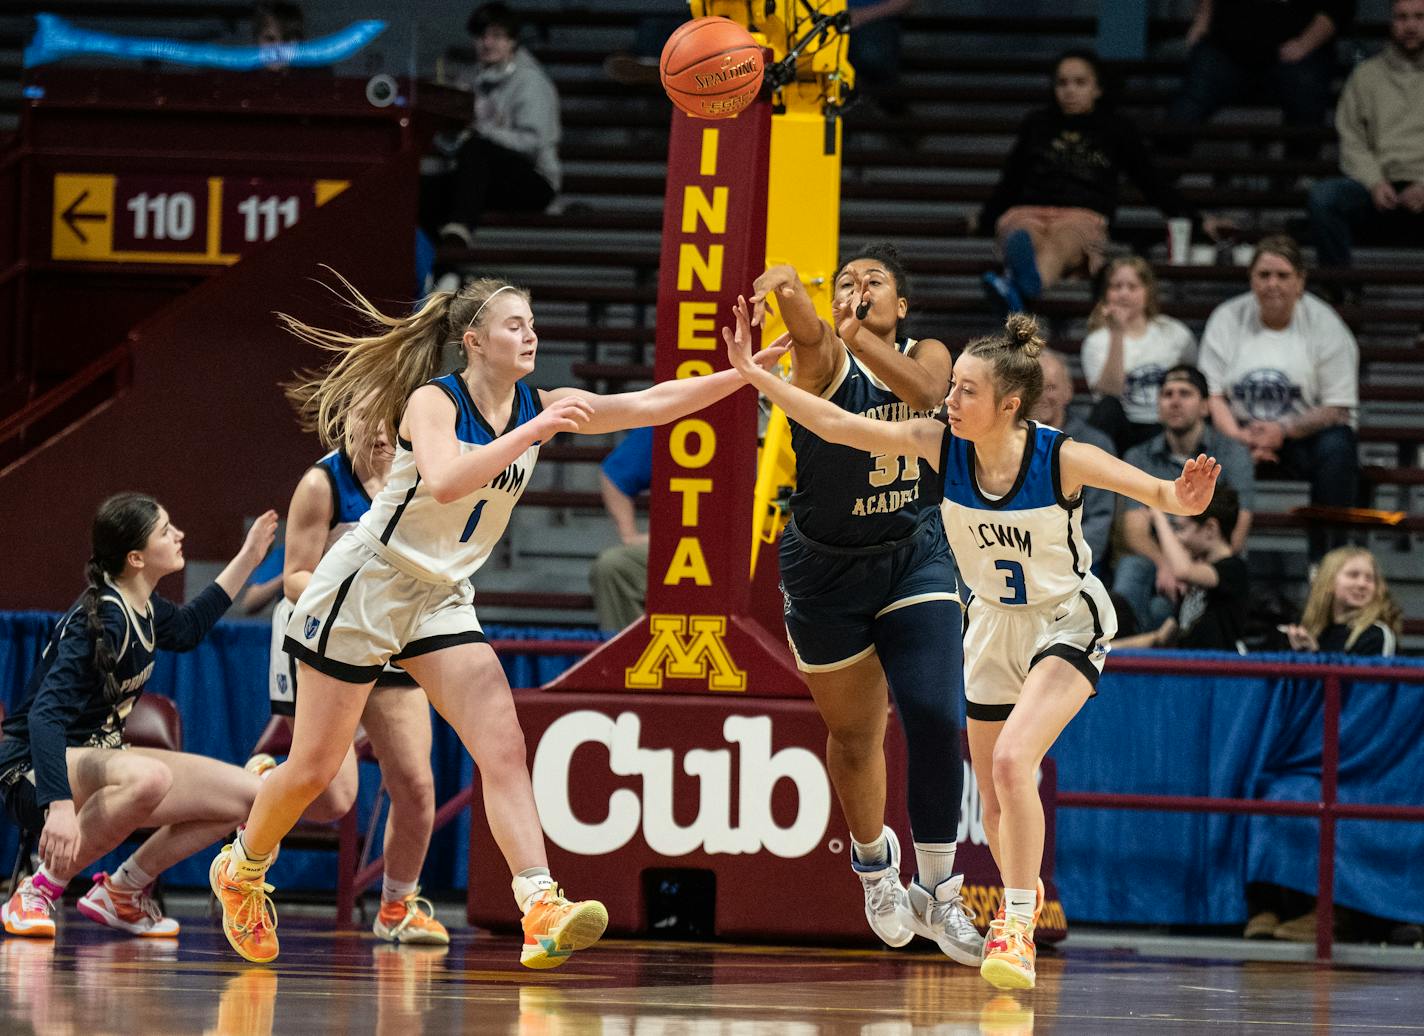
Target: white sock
(131, 877)
(395, 891)
(934, 862)
(1019, 904)
(247, 865)
(871, 854)
(528, 883)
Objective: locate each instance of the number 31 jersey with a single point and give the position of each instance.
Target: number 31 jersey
(446, 543)
(1026, 548)
(849, 498)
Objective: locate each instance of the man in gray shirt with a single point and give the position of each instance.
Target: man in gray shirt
(1052, 410)
(1143, 578)
(507, 160)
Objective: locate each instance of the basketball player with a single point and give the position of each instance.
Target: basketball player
(1037, 620)
(396, 588)
(870, 588)
(62, 772)
(330, 498)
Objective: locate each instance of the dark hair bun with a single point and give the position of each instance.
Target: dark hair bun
(1021, 332)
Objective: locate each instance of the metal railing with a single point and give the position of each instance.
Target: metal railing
(1328, 810)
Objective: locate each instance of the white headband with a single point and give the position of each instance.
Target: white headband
(486, 302)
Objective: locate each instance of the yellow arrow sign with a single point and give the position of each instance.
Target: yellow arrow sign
(83, 216)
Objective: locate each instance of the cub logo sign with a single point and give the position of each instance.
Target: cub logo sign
(758, 771)
(686, 647)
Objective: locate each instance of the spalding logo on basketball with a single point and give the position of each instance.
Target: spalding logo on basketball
(711, 68)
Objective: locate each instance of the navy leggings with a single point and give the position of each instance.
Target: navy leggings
(922, 652)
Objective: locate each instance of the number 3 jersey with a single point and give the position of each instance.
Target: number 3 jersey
(849, 498)
(1026, 548)
(446, 543)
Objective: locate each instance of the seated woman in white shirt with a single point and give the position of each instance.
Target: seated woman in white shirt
(1130, 346)
(1284, 373)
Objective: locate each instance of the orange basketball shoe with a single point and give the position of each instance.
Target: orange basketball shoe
(129, 910)
(554, 928)
(27, 912)
(1009, 955)
(249, 916)
(410, 920)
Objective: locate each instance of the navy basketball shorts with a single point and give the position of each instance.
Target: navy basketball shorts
(834, 595)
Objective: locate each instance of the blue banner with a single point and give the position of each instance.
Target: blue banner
(1237, 737)
(57, 39)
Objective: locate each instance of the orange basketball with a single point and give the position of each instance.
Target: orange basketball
(711, 68)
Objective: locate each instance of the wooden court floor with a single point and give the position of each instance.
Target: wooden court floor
(90, 983)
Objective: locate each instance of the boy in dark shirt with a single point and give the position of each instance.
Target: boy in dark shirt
(1212, 614)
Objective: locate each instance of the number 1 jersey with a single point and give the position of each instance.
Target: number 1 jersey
(446, 543)
(1026, 548)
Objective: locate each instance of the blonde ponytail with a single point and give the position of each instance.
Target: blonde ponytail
(385, 366)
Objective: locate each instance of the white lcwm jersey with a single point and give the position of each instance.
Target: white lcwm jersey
(446, 543)
(1025, 549)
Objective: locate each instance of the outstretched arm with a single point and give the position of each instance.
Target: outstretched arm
(452, 475)
(1085, 465)
(918, 438)
(663, 402)
(815, 350)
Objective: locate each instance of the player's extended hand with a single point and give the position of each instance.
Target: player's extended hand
(59, 840)
(850, 312)
(260, 536)
(739, 336)
(739, 342)
(1197, 483)
(780, 281)
(568, 414)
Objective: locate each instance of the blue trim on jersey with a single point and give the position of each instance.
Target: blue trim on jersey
(1035, 487)
(349, 499)
(470, 424)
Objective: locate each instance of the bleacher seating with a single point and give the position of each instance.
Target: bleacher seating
(914, 177)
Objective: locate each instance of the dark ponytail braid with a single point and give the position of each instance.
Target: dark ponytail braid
(123, 524)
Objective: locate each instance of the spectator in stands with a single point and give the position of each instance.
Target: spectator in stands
(507, 159)
(1131, 344)
(1283, 372)
(1237, 45)
(1349, 610)
(640, 67)
(1059, 188)
(1380, 120)
(1052, 409)
(619, 576)
(278, 23)
(874, 49)
(1198, 552)
(1143, 577)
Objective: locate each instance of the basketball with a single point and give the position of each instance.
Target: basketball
(711, 68)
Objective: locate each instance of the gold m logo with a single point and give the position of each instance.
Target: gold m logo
(686, 647)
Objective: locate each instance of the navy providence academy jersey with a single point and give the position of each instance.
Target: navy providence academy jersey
(849, 498)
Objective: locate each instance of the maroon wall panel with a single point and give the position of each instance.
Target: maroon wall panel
(205, 427)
